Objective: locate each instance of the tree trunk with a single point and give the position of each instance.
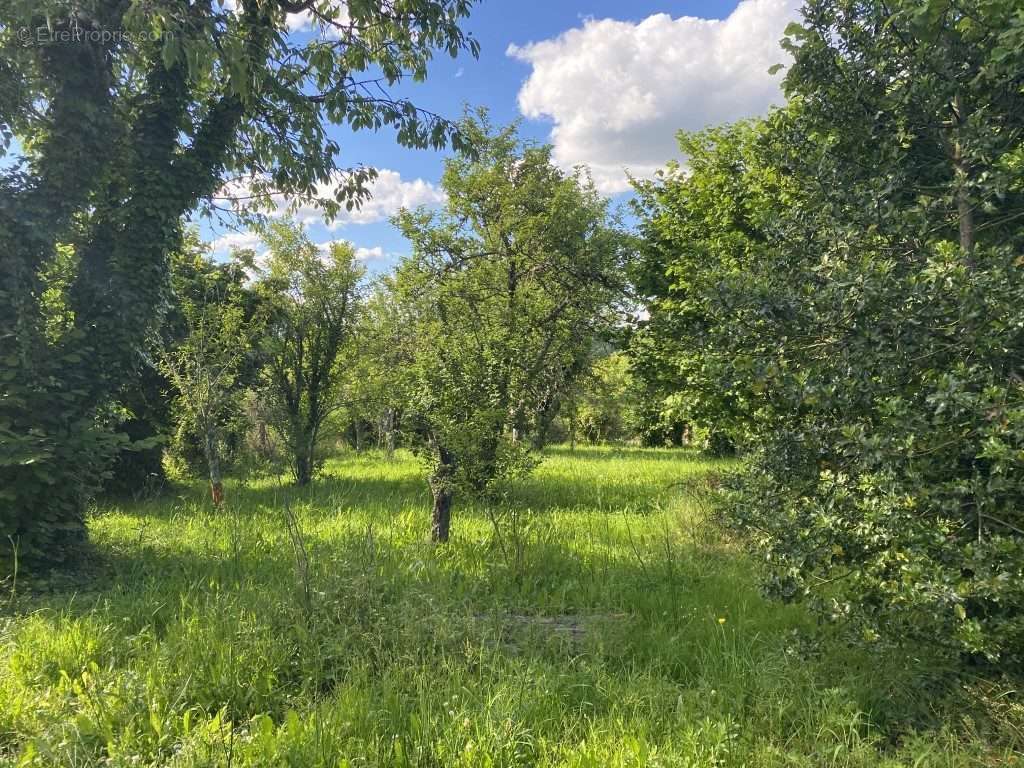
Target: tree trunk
(305, 454)
(213, 463)
(442, 520)
(441, 488)
(263, 440)
(548, 413)
(303, 466)
(389, 433)
(962, 172)
(965, 215)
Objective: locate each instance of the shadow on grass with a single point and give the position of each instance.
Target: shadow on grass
(331, 493)
(391, 602)
(390, 598)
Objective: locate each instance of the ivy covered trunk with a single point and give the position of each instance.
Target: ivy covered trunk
(86, 225)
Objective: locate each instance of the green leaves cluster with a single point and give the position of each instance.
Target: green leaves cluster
(838, 288)
(210, 354)
(607, 403)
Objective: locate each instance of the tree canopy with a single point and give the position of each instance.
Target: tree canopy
(315, 303)
(506, 289)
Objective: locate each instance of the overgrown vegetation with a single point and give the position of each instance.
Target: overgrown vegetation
(314, 307)
(505, 292)
(837, 289)
(826, 302)
(593, 619)
(124, 136)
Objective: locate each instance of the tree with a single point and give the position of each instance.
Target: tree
(314, 299)
(715, 274)
(208, 365)
(130, 116)
(839, 286)
(505, 287)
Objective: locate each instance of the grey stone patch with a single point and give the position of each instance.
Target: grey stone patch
(513, 628)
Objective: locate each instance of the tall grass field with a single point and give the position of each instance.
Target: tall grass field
(593, 616)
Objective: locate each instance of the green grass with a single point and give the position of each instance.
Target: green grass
(593, 618)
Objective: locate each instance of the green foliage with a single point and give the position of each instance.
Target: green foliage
(607, 404)
(145, 405)
(314, 302)
(837, 288)
(125, 134)
(506, 289)
(379, 366)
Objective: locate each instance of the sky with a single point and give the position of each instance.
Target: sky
(608, 84)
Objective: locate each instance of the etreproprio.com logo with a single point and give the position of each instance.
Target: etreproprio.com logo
(76, 33)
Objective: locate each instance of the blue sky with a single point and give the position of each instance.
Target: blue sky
(608, 83)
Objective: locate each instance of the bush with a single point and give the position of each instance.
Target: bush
(839, 287)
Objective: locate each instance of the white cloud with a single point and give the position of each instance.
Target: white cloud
(618, 91)
(335, 10)
(223, 245)
(362, 253)
(376, 253)
(370, 254)
(389, 192)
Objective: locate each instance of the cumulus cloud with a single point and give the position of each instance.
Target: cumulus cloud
(376, 253)
(334, 10)
(370, 254)
(618, 91)
(224, 244)
(389, 192)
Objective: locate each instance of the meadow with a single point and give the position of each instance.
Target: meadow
(593, 616)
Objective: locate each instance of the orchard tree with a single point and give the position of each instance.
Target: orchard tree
(521, 270)
(313, 298)
(128, 116)
(605, 405)
(208, 365)
(717, 274)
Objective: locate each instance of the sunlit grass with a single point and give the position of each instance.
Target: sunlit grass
(591, 618)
